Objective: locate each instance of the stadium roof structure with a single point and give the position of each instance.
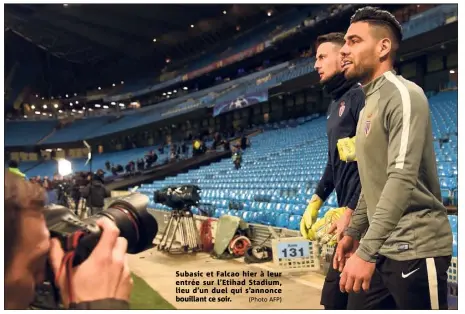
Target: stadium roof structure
(105, 34)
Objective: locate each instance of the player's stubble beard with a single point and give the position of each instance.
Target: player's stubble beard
(362, 73)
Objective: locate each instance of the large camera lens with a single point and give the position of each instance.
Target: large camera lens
(129, 214)
(133, 220)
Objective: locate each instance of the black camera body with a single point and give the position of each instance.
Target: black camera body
(178, 197)
(129, 214)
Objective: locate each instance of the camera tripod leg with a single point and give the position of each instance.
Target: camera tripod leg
(184, 235)
(192, 230)
(173, 235)
(195, 234)
(189, 222)
(164, 237)
(197, 240)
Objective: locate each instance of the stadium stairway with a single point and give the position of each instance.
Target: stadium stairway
(44, 139)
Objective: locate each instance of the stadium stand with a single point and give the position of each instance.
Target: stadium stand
(224, 92)
(27, 133)
(76, 131)
(282, 167)
(49, 167)
(299, 156)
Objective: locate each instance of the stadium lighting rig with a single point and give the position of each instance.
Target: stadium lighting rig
(65, 167)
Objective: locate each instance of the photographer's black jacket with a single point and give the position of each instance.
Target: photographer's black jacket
(95, 193)
(342, 117)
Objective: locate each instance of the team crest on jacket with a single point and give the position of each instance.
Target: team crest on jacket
(367, 125)
(342, 106)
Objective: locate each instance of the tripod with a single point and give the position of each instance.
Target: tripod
(181, 227)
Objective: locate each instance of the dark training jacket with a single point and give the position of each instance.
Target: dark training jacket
(348, 100)
(95, 193)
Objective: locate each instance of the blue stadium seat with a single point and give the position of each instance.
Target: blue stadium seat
(294, 222)
(282, 220)
(276, 181)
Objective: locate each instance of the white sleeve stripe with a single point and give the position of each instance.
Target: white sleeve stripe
(432, 283)
(406, 112)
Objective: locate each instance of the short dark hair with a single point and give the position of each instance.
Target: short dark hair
(335, 38)
(20, 195)
(378, 17)
(13, 164)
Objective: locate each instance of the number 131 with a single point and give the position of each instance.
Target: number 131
(293, 252)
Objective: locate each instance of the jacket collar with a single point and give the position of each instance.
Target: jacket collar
(376, 84)
(337, 86)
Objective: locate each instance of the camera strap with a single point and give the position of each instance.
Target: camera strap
(68, 258)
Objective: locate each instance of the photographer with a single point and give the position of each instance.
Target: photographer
(95, 194)
(102, 281)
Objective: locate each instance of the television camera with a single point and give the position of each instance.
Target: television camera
(181, 224)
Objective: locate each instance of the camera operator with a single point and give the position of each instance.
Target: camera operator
(78, 183)
(95, 194)
(102, 281)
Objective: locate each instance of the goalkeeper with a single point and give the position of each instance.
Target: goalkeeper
(341, 173)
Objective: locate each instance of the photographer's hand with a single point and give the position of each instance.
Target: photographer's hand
(103, 275)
